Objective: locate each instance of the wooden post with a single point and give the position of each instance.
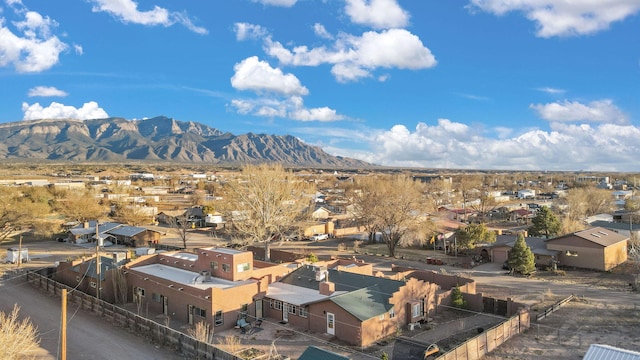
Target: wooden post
(63, 327)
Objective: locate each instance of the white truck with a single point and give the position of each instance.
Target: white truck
(15, 254)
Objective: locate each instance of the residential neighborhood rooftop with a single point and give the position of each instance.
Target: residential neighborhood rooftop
(186, 277)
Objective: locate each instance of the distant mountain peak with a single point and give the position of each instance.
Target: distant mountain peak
(155, 139)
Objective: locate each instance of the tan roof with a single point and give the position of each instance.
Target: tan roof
(598, 235)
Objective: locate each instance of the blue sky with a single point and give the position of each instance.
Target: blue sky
(469, 84)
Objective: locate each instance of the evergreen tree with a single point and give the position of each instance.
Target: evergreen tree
(456, 298)
(545, 223)
(521, 259)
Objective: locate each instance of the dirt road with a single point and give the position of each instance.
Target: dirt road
(87, 336)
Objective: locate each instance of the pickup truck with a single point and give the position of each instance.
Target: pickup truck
(317, 237)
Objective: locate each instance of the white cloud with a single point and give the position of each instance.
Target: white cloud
(572, 111)
(287, 108)
(127, 12)
(321, 32)
(90, 110)
(379, 14)
(256, 75)
(457, 146)
(355, 57)
(36, 49)
(550, 90)
(78, 49)
(281, 3)
(46, 91)
(564, 17)
(246, 31)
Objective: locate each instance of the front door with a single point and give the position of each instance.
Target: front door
(190, 314)
(258, 309)
(285, 312)
(331, 324)
(165, 305)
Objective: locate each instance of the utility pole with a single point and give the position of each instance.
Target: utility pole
(98, 282)
(20, 250)
(63, 327)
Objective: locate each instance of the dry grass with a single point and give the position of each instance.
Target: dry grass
(201, 332)
(230, 344)
(18, 338)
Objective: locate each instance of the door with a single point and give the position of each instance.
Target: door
(331, 324)
(165, 305)
(285, 312)
(190, 314)
(258, 309)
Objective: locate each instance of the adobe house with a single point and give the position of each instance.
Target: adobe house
(81, 274)
(356, 308)
(212, 285)
(134, 236)
(499, 251)
(596, 248)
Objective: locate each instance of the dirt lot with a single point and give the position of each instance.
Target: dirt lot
(567, 333)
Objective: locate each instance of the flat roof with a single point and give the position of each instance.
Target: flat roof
(186, 277)
(224, 250)
(296, 295)
(182, 256)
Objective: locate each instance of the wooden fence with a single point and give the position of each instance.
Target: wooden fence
(477, 347)
(141, 326)
(553, 308)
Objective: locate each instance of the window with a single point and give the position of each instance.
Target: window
(392, 313)
(242, 267)
(226, 268)
(214, 265)
(93, 284)
(291, 309)
(138, 291)
(219, 319)
(415, 310)
(199, 312)
(155, 297)
(275, 304)
(302, 311)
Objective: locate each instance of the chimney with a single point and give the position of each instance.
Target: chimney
(327, 288)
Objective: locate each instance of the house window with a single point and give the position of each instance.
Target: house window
(199, 312)
(218, 319)
(302, 311)
(392, 313)
(226, 268)
(275, 304)
(93, 284)
(242, 267)
(291, 309)
(155, 297)
(214, 265)
(416, 310)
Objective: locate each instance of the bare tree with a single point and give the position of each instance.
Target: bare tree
(80, 206)
(265, 202)
(19, 337)
(587, 201)
(181, 226)
(18, 211)
(397, 210)
(131, 214)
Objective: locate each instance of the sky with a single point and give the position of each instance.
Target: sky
(450, 84)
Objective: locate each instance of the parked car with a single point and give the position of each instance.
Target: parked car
(318, 237)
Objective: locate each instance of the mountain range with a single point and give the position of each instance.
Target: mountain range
(156, 139)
